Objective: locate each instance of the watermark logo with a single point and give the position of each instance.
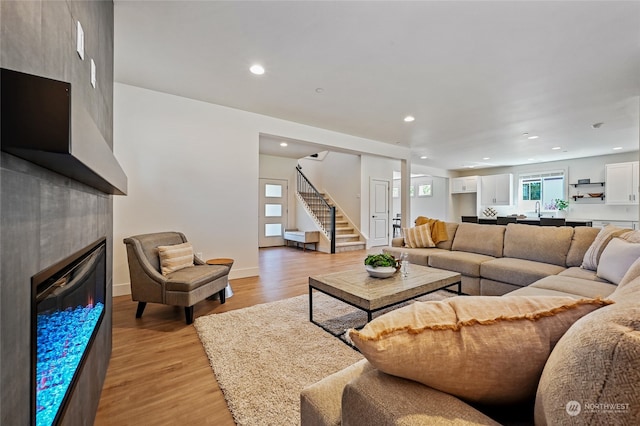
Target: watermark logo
(573, 408)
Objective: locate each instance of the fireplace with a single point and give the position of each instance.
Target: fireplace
(67, 310)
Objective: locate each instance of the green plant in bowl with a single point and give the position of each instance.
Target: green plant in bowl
(380, 260)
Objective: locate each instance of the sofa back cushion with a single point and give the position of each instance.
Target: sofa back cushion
(452, 227)
(592, 375)
(546, 244)
(481, 239)
(583, 237)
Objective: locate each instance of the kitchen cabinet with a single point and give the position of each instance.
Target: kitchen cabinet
(496, 190)
(465, 184)
(622, 183)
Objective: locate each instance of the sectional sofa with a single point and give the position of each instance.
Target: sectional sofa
(590, 374)
(497, 259)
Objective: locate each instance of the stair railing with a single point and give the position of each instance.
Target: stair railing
(325, 214)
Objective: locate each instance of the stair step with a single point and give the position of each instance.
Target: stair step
(349, 246)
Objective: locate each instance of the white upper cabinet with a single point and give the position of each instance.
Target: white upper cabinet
(622, 183)
(465, 184)
(496, 190)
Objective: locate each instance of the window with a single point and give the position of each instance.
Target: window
(273, 191)
(424, 190)
(542, 188)
(412, 191)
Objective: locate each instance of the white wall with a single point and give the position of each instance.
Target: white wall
(338, 174)
(194, 167)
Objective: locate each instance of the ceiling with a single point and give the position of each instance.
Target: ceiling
(476, 75)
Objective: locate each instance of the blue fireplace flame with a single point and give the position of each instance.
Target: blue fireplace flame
(62, 338)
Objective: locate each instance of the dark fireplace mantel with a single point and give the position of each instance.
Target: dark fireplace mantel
(41, 124)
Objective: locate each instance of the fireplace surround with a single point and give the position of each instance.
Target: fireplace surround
(68, 305)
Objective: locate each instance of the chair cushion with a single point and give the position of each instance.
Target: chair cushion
(472, 346)
(616, 259)
(192, 277)
(175, 257)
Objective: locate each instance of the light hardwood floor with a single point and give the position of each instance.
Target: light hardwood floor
(159, 373)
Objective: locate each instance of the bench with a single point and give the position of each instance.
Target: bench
(304, 237)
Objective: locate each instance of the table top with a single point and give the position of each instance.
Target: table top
(361, 289)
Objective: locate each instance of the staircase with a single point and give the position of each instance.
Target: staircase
(347, 238)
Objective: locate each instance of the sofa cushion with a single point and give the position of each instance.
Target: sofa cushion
(582, 238)
(175, 257)
(546, 244)
(632, 273)
(452, 227)
(592, 256)
(376, 398)
(517, 271)
(616, 259)
(594, 365)
(459, 261)
(585, 274)
(575, 286)
(321, 402)
(418, 236)
(417, 256)
(481, 239)
(443, 344)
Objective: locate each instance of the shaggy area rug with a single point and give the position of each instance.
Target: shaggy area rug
(264, 355)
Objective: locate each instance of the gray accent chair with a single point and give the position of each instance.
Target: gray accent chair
(184, 287)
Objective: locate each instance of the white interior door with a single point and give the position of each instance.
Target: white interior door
(272, 215)
(379, 212)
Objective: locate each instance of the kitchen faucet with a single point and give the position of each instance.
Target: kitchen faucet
(538, 212)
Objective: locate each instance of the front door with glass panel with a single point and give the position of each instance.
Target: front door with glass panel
(272, 212)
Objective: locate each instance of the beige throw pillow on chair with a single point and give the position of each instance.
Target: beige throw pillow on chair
(175, 257)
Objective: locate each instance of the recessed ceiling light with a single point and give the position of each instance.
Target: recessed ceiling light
(486, 158)
(257, 69)
(617, 148)
(470, 167)
(409, 118)
(555, 148)
(423, 157)
(533, 137)
(283, 144)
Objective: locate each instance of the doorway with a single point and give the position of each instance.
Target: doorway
(272, 212)
(379, 212)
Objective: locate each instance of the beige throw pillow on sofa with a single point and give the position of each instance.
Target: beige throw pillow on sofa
(175, 257)
(483, 349)
(418, 236)
(616, 259)
(592, 256)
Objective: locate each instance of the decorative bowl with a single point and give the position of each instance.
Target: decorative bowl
(380, 271)
(595, 194)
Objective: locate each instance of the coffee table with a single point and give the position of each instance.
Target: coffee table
(357, 288)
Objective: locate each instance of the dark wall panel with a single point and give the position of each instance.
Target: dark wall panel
(44, 216)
